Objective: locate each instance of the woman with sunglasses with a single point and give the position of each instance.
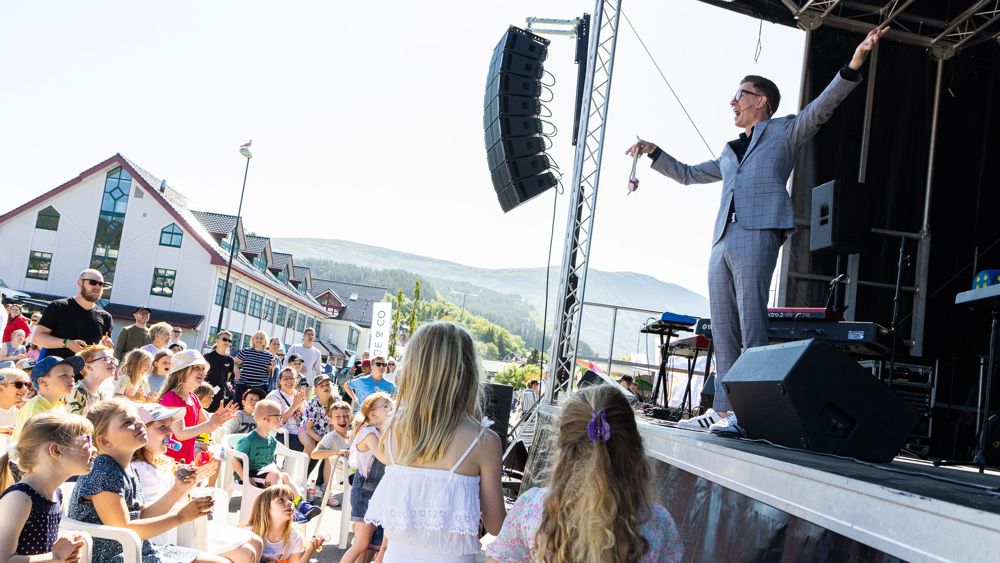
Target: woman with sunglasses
(99, 365)
(14, 386)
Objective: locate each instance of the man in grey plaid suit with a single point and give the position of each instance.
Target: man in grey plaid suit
(755, 213)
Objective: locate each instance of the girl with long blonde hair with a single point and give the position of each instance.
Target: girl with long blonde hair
(271, 519)
(53, 447)
(598, 506)
(442, 461)
(132, 383)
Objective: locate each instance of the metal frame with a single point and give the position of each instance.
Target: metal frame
(944, 39)
(583, 193)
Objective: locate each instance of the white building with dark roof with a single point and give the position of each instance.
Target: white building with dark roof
(349, 312)
(157, 252)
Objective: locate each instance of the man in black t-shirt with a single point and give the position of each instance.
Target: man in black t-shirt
(70, 324)
(221, 368)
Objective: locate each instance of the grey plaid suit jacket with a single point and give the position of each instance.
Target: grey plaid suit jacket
(758, 183)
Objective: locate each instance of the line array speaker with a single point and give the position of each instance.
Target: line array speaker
(512, 128)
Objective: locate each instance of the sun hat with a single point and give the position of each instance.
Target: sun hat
(185, 359)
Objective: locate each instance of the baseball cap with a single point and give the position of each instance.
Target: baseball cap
(320, 379)
(152, 412)
(293, 358)
(45, 365)
(366, 363)
(327, 369)
(142, 308)
(26, 363)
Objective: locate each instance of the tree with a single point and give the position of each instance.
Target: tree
(517, 376)
(413, 310)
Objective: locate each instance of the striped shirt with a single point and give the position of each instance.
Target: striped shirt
(255, 370)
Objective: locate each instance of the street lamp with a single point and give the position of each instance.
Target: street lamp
(245, 151)
(464, 294)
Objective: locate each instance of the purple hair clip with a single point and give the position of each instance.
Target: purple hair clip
(598, 428)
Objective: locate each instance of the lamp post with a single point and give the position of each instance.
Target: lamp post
(464, 295)
(245, 151)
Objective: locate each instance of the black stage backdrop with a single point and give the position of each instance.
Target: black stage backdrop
(964, 205)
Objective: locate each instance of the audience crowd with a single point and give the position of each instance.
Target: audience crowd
(131, 431)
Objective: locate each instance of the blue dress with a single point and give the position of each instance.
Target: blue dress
(41, 529)
(108, 476)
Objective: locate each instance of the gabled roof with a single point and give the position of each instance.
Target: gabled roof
(299, 273)
(255, 244)
(177, 206)
(359, 310)
(216, 223)
(280, 260)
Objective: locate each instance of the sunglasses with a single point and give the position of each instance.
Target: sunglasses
(19, 384)
(378, 364)
(175, 331)
(225, 340)
(93, 282)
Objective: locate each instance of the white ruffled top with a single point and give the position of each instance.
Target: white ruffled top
(428, 514)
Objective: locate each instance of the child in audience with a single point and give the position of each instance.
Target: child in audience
(53, 379)
(99, 366)
(205, 393)
(442, 461)
(158, 373)
(375, 411)
(132, 382)
(337, 442)
(598, 505)
(161, 477)
(292, 403)
(271, 519)
(111, 493)
(243, 422)
(259, 447)
(53, 447)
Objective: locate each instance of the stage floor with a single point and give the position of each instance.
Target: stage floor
(908, 508)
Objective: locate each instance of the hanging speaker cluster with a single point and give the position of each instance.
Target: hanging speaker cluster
(512, 119)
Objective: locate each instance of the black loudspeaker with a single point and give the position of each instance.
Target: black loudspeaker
(809, 395)
(839, 221)
(515, 145)
(497, 403)
(591, 377)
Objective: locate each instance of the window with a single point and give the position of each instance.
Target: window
(353, 335)
(260, 261)
(301, 323)
(246, 340)
(47, 219)
(317, 329)
(220, 292)
(38, 265)
(280, 319)
(171, 235)
(212, 331)
(256, 304)
(240, 299)
(291, 319)
(269, 310)
(236, 342)
(110, 224)
(163, 282)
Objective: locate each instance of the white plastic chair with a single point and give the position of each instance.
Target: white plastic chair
(129, 540)
(296, 464)
(345, 503)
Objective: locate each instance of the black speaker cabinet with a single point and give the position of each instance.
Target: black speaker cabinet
(840, 218)
(497, 401)
(809, 395)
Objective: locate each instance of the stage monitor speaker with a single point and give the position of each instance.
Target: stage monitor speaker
(809, 395)
(512, 106)
(497, 402)
(591, 377)
(839, 219)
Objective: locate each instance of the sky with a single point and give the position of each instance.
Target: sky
(366, 118)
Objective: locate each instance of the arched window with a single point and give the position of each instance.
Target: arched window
(171, 235)
(48, 219)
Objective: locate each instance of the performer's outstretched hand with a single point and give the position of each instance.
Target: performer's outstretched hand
(866, 46)
(641, 148)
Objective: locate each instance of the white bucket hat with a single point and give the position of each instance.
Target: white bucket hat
(185, 359)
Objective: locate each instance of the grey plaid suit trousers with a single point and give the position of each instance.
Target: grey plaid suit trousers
(744, 253)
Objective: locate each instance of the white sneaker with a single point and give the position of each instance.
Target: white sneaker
(702, 422)
(728, 426)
